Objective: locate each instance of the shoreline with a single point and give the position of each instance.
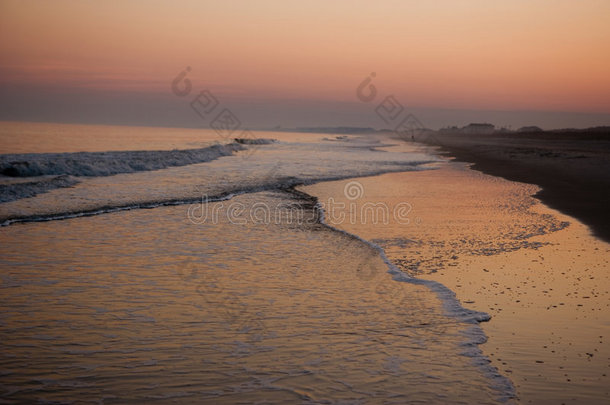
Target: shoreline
(547, 328)
(572, 169)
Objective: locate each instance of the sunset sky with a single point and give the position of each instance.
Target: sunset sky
(295, 63)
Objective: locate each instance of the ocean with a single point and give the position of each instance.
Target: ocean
(173, 265)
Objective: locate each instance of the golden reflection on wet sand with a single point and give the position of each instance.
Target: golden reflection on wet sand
(545, 283)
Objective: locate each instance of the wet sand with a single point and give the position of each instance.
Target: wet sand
(571, 167)
(541, 275)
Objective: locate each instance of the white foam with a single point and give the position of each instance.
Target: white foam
(473, 334)
(108, 163)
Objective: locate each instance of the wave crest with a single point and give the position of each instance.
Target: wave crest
(108, 163)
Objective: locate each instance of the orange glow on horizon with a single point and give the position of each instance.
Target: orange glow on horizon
(549, 55)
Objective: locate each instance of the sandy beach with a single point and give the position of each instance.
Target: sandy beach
(571, 167)
(541, 275)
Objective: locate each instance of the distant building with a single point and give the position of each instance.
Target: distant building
(449, 130)
(530, 129)
(478, 129)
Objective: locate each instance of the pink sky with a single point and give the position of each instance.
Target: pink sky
(474, 55)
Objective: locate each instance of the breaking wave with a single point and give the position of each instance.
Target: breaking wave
(108, 163)
(50, 171)
(16, 191)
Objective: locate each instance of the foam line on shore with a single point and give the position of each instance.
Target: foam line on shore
(474, 335)
(220, 196)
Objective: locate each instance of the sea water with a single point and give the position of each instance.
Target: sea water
(229, 288)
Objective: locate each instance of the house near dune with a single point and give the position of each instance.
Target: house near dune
(532, 128)
(473, 128)
(476, 129)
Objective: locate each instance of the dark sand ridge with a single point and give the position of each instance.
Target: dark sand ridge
(572, 167)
